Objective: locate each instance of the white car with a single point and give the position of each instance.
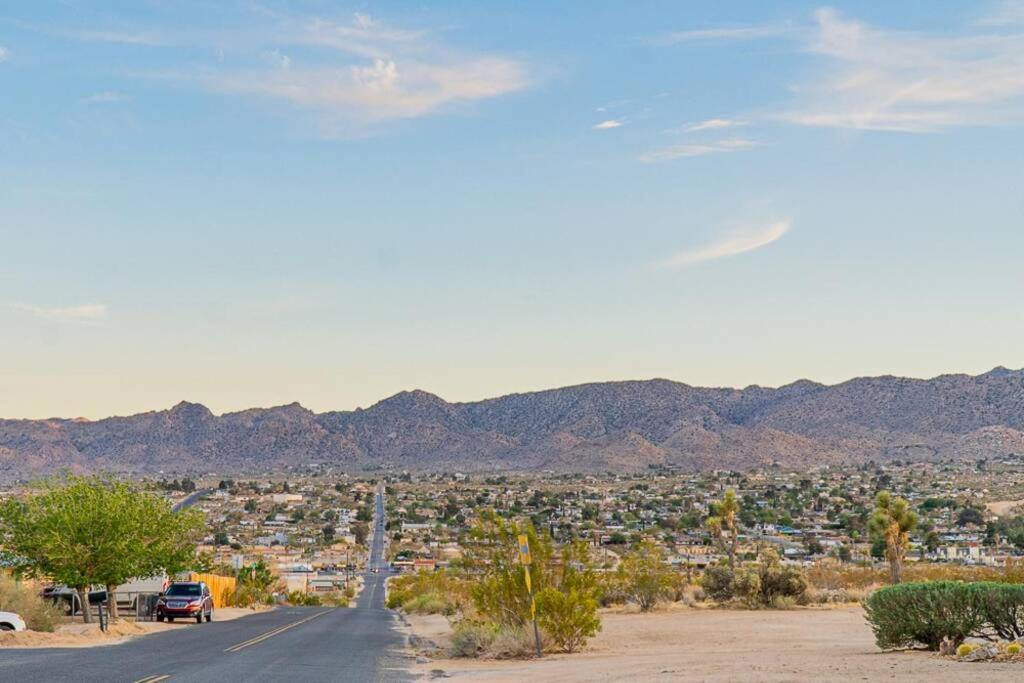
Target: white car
(9, 621)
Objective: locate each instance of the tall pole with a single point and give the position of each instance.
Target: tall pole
(526, 559)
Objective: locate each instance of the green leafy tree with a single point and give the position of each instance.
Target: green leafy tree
(892, 521)
(86, 531)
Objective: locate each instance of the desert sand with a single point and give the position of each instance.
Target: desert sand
(721, 645)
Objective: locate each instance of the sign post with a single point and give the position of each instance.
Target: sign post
(526, 559)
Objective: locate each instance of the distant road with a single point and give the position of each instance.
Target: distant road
(191, 499)
(297, 644)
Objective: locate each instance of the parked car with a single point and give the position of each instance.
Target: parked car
(187, 600)
(9, 621)
(68, 598)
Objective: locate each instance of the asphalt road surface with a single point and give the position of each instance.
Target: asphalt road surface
(287, 644)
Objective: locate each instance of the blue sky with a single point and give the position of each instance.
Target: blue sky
(249, 204)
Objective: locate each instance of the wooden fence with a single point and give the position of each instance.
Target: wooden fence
(220, 586)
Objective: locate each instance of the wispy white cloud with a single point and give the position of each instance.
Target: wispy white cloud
(605, 125)
(82, 313)
(696, 150)
(731, 246)
(713, 124)
(875, 79)
(107, 97)
(4, 53)
(727, 33)
(373, 72)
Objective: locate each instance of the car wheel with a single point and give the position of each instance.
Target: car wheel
(170, 620)
(209, 616)
(6, 627)
(199, 618)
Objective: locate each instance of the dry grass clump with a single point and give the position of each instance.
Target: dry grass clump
(833, 578)
(39, 614)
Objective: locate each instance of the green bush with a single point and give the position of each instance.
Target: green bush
(569, 619)
(746, 586)
(927, 613)
(303, 599)
(769, 583)
(717, 583)
(427, 603)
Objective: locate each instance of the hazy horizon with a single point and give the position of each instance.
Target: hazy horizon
(475, 399)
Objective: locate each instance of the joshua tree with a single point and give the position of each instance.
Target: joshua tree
(893, 520)
(722, 525)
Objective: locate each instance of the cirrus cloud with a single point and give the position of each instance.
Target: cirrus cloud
(730, 246)
(673, 152)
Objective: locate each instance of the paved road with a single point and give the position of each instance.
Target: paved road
(286, 644)
(191, 499)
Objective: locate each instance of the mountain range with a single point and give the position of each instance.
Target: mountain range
(603, 426)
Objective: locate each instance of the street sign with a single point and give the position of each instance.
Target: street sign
(525, 559)
(524, 550)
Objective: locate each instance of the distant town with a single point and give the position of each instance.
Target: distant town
(312, 525)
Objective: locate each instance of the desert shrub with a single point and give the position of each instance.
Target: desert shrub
(427, 603)
(569, 618)
(645, 577)
(1002, 606)
(964, 650)
(832, 575)
(471, 638)
(831, 596)
(746, 586)
(439, 592)
(717, 583)
(927, 613)
(782, 602)
(512, 642)
(39, 614)
(778, 580)
(1013, 649)
(336, 599)
(566, 585)
(767, 584)
(303, 599)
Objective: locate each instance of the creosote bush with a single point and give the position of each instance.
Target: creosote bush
(769, 583)
(913, 614)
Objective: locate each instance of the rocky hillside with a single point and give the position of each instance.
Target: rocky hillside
(592, 427)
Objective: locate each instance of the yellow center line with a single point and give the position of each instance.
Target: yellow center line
(268, 634)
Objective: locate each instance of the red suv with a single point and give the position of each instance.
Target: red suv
(186, 599)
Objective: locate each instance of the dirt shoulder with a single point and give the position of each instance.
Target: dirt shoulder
(89, 635)
(721, 645)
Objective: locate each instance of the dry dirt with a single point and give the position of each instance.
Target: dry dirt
(1003, 507)
(722, 645)
(89, 635)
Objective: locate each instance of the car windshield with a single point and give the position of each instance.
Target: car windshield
(184, 589)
